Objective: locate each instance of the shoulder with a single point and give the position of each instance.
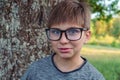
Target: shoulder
(92, 72)
(41, 62)
(37, 67)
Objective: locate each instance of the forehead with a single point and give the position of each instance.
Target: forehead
(64, 26)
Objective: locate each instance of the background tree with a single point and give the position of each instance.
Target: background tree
(22, 36)
(115, 30)
(100, 28)
(104, 9)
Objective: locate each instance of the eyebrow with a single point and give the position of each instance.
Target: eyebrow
(73, 27)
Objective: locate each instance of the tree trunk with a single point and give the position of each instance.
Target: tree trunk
(22, 35)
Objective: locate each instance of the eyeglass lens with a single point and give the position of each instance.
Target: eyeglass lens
(71, 34)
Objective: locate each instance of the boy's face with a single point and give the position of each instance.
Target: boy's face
(65, 48)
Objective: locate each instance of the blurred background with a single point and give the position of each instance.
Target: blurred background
(23, 39)
(103, 50)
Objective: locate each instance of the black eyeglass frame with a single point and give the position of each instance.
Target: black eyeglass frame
(64, 31)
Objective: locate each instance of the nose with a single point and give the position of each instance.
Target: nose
(63, 39)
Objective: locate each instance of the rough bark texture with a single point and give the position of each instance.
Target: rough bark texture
(22, 35)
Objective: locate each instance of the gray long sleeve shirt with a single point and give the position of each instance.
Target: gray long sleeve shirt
(45, 69)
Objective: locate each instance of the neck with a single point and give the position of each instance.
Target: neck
(69, 64)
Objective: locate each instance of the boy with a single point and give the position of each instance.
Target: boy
(68, 30)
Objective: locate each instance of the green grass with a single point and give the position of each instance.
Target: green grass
(105, 59)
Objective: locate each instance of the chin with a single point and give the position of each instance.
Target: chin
(66, 56)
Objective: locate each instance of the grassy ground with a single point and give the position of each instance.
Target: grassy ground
(106, 60)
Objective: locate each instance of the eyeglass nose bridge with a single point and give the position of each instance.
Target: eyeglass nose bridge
(63, 31)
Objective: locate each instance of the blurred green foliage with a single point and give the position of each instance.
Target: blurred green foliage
(116, 28)
(103, 10)
(106, 33)
(105, 24)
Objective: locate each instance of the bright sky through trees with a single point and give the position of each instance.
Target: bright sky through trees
(106, 4)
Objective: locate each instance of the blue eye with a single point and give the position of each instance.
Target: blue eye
(73, 31)
(54, 31)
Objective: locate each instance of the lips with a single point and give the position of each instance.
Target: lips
(64, 50)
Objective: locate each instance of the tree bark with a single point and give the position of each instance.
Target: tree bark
(22, 35)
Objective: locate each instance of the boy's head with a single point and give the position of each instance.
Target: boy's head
(70, 11)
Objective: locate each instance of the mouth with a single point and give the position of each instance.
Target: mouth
(64, 50)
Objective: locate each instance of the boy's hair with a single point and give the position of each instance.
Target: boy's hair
(70, 11)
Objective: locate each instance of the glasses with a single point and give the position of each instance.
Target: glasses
(71, 34)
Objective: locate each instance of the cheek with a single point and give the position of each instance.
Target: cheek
(53, 44)
(78, 44)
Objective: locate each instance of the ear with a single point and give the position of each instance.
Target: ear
(87, 36)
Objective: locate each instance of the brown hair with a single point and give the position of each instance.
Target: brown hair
(70, 11)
